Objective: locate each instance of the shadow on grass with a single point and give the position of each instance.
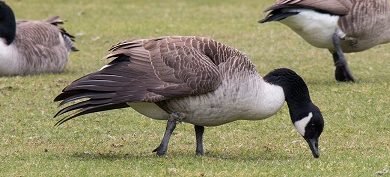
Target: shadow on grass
(245, 156)
(255, 156)
(109, 156)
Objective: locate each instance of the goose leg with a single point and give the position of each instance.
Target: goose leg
(162, 148)
(342, 73)
(199, 130)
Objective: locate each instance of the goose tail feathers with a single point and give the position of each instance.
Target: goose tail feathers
(68, 38)
(277, 15)
(92, 93)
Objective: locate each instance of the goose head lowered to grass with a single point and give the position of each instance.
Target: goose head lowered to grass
(195, 80)
(337, 25)
(32, 47)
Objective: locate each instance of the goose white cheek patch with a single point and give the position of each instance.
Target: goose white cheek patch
(300, 125)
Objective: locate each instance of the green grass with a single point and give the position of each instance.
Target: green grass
(355, 142)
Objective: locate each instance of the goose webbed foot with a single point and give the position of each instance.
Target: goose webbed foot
(163, 147)
(199, 130)
(342, 72)
(160, 151)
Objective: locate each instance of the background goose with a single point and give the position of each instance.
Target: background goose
(338, 25)
(195, 80)
(31, 47)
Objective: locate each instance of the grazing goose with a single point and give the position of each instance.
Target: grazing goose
(338, 25)
(31, 47)
(195, 80)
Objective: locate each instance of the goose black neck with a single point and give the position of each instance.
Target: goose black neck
(295, 89)
(7, 23)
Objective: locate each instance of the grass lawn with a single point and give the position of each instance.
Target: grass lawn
(355, 141)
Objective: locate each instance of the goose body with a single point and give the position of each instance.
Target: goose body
(190, 79)
(341, 26)
(31, 47)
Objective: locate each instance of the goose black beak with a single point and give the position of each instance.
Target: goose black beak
(313, 144)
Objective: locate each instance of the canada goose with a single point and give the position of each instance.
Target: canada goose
(31, 47)
(195, 80)
(338, 25)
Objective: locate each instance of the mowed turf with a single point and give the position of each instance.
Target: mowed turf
(355, 141)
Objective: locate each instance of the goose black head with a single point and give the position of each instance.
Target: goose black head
(306, 116)
(309, 123)
(7, 23)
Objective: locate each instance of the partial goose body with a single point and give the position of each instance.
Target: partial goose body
(316, 28)
(191, 79)
(338, 25)
(32, 47)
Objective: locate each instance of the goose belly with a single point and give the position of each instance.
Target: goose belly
(314, 27)
(198, 110)
(230, 102)
(206, 111)
(150, 110)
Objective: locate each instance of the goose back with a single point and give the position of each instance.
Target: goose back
(198, 62)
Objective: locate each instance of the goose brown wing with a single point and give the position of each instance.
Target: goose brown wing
(40, 46)
(142, 71)
(366, 20)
